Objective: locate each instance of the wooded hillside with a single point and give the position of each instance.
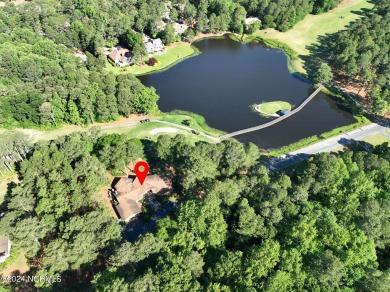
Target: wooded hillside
(362, 53)
(322, 226)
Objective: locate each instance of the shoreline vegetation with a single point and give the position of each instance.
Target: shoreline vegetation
(292, 42)
(174, 54)
(361, 121)
(198, 121)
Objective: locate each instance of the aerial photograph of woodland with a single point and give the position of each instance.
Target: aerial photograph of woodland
(195, 145)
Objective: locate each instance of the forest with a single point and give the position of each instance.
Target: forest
(323, 225)
(49, 86)
(43, 84)
(361, 54)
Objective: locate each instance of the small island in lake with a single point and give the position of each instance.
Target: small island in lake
(273, 108)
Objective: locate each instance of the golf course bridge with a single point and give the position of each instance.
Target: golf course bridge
(301, 106)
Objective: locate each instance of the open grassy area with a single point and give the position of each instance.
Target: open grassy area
(274, 106)
(16, 262)
(376, 139)
(196, 121)
(4, 181)
(361, 121)
(132, 127)
(174, 54)
(307, 31)
(143, 131)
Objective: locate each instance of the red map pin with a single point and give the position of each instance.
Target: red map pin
(141, 169)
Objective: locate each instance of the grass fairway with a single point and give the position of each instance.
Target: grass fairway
(174, 54)
(307, 31)
(376, 139)
(274, 106)
(132, 128)
(142, 131)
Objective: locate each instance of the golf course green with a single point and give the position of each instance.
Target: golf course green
(273, 107)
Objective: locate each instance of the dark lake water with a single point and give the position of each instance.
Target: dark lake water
(228, 77)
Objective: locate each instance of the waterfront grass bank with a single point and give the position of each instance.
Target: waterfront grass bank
(174, 54)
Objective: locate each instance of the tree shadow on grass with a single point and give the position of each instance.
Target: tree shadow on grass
(319, 53)
(7, 196)
(354, 145)
(320, 50)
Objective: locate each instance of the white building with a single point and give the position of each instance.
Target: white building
(153, 45)
(251, 20)
(5, 249)
(179, 28)
(82, 56)
(168, 7)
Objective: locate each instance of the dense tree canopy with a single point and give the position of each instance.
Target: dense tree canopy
(53, 214)
(92, 24)
(322, 226)
(49, 86)
(14, 147)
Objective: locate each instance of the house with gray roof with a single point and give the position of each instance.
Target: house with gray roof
(153, 45)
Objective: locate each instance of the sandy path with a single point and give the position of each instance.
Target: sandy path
(163, 130)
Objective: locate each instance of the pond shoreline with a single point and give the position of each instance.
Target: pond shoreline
(201, 121)
(236, 38)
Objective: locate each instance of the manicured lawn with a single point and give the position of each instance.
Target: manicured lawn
(136, 131)
(376, 139)
(54, 134)
(274, 106)
(143, 131)
(131, 126)
(307, 31)
(173, 54)
(196, 121)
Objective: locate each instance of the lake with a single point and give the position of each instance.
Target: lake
(228, 77)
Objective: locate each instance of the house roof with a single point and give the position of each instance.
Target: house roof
(145, 38)
(4, 246)
(161, 25)
(157, 42)
(250, 20)
(124, 185)
(130, 192)
(285, 112)
(81, 56)
(118, 54)
(179, 28)
(149, 47)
